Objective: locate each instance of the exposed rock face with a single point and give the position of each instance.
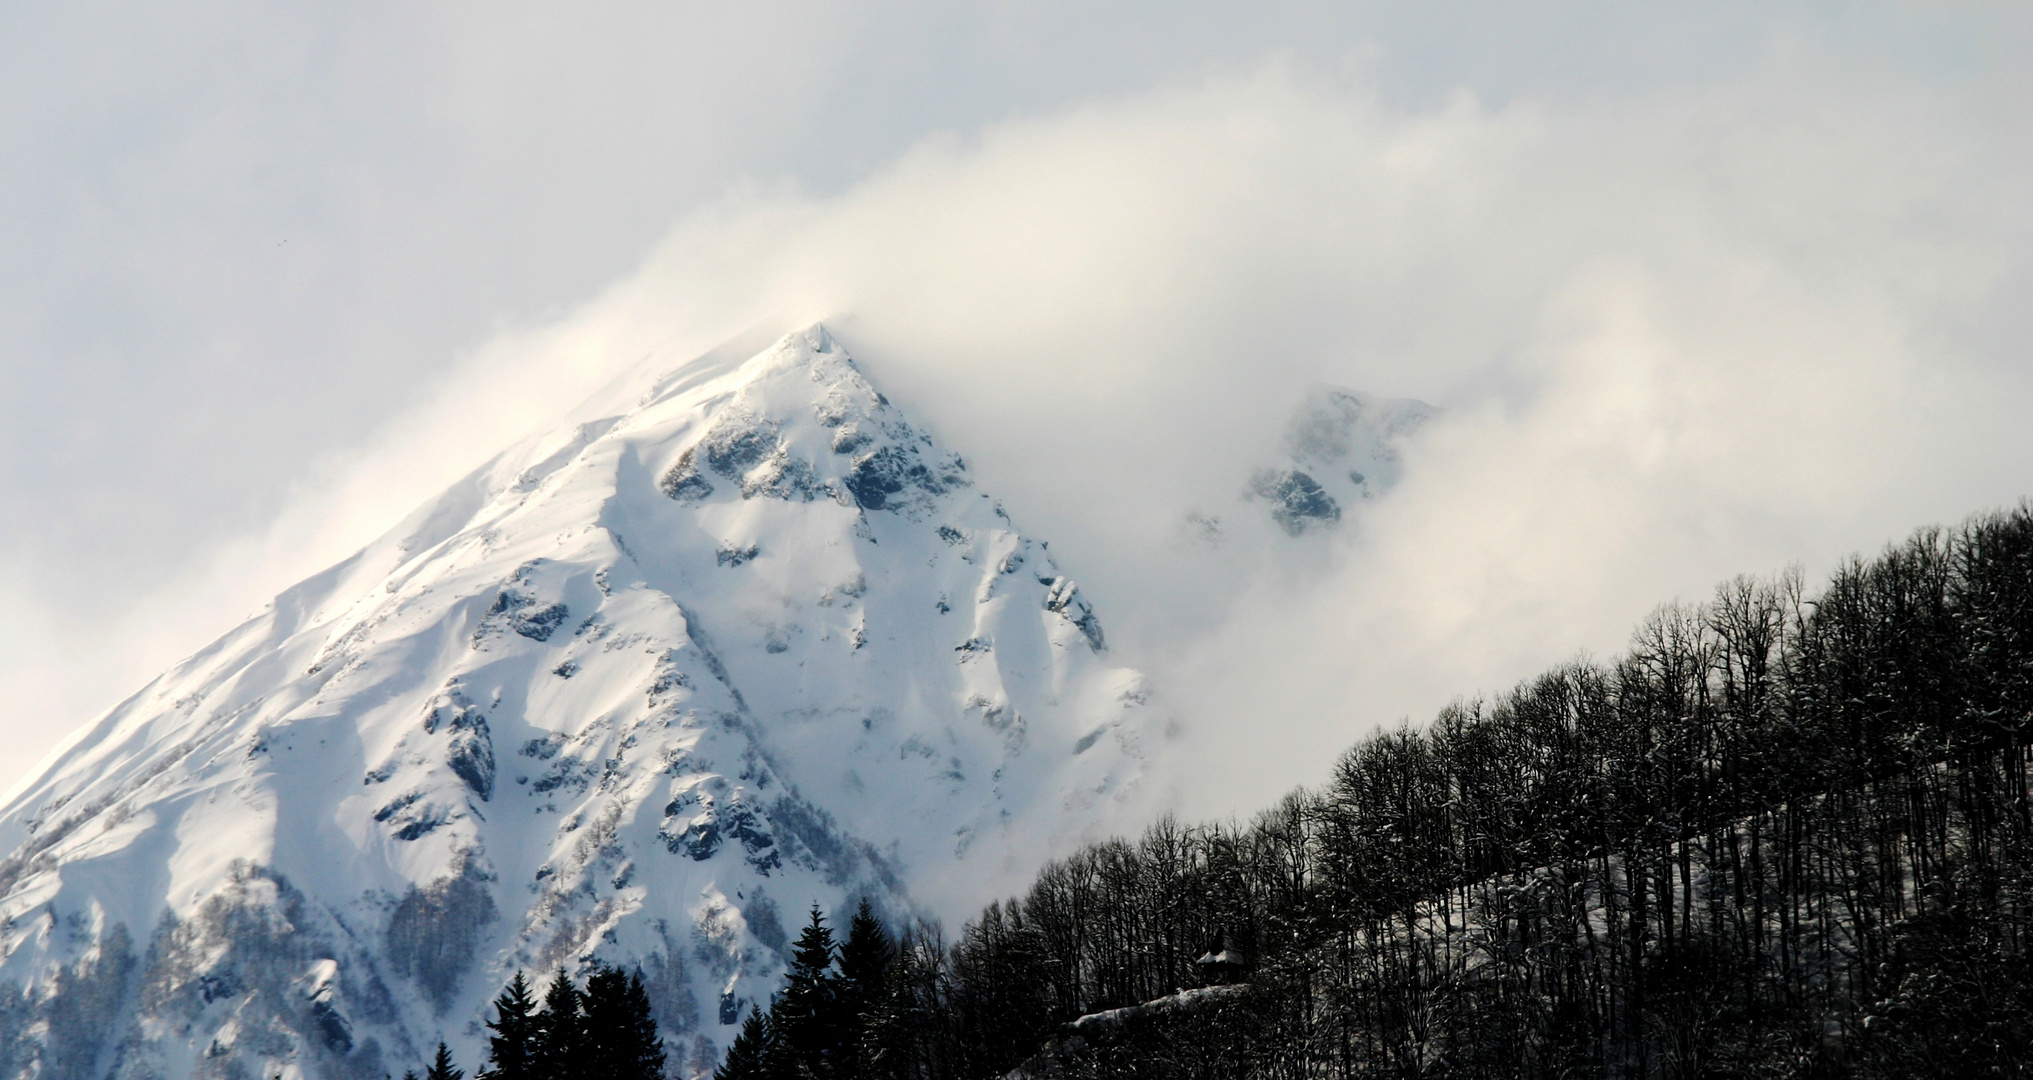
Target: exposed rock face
(1297, 500)
(743, 642)
(1342, 450)
(1343, 447)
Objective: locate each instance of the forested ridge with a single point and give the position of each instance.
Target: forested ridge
(1786, 834)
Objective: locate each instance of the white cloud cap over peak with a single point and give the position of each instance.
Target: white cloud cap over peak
(1680, 331)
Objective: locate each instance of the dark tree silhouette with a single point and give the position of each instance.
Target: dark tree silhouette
(805, 1021)
(512, 1047)
(865, 959)
(621, 1038)
(748, 1056)
(441, 1066)
(560, 1029)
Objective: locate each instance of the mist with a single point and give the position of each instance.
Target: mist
(1676, 339)
(1678, 332)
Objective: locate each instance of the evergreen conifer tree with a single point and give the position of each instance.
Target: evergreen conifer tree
(865, 957)
(560, 1032)
(805, 1020)
(602, 1005)
(646, 1058)
(621, 1036)
(865, 961)
(441, 1068)
(512, 1047)
(748, 1057)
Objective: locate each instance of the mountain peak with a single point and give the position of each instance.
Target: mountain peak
(1342, 446)
(1341, 451)
(799, 408)
(622, 694)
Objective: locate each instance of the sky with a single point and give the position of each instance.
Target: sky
(1703, 291)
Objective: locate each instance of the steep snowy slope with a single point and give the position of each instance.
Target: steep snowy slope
(640, 690)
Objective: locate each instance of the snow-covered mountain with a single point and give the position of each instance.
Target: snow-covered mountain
(640, 690)
(1341, 450)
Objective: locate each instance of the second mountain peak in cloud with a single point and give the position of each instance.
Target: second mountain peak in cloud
(1341, 449)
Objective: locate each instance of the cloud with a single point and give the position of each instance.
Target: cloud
(1680, 337)
(1679, 334)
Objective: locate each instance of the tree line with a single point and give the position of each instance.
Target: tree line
(833, 1017)
(605, 1030)
(1786, 834)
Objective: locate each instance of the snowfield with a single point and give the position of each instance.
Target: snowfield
(640, 690)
